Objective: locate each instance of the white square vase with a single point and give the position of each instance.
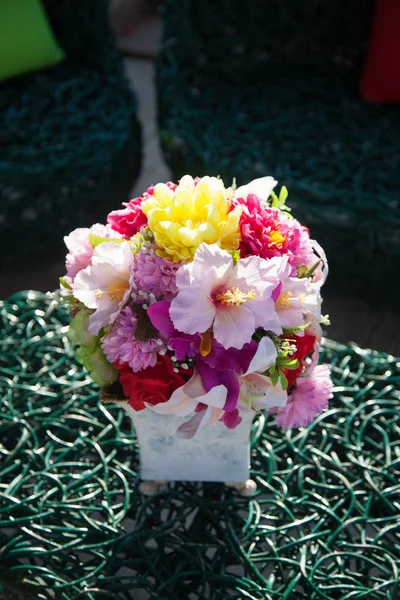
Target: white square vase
(214, 454)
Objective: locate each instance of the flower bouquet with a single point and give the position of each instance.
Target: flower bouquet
(197, 306)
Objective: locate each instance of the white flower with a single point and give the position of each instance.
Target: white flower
(298, 303)
(104, 285)
(184, 401)
(261, 187)
(256, 389)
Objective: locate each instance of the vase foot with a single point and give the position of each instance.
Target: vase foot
(150, 488)
(244, 488)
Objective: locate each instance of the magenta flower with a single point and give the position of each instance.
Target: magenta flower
(231, 299)
(129, 220)
(155, 275)
(121, 346)
(186, 345)
(266, 232)
(181, 343)
(307, 400)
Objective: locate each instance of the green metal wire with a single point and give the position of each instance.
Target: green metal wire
(70, 139)
(247, 89)
(325, 523)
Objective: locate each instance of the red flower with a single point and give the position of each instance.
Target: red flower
(128, 220)
(305, 344)
(152, 385)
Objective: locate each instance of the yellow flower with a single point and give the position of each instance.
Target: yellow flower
(183, 219)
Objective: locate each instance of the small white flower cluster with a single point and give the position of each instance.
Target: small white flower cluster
(142, 297)
(188, 363)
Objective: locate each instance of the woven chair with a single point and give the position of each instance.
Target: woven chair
(69, 139)
(324, 524)
(247, 89)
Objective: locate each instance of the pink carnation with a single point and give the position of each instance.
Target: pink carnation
(121, 346)
(155, 275)
(80, 249)
(308, 399)
(266, 232)
(129, 220)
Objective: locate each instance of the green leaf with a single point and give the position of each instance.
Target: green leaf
(283, 194)
(284, 381)
(288, 331)
(235, 256)
(292, 365)
(78, 330)
(97, 365)
(274, 375)
(302, 271)
(64, 284)
(325, 320)
(95, 240)
(275, 201)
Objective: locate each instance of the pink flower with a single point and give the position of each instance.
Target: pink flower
(80, 249)
(266, 232)
(104, 285)
(121, 346)
(129, 220)
(307, 400)
(153, 274)
(231, 299)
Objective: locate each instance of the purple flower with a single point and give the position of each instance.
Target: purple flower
(155, 275)
(120, 344)
(182, 344)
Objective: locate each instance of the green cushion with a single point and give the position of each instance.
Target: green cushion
(27, 42)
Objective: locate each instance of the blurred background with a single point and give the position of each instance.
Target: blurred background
(125, 94)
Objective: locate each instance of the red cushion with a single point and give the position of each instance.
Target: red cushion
(380, 80)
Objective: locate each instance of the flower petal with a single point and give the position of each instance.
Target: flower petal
(264, 312)
(180, 404)
(234, 326)
(192, 311)
(158, 313)
(213, 380)
(259, 274)
(200, 420)
(232, 359)
(264, 358)
(261, 187)
(262, 393)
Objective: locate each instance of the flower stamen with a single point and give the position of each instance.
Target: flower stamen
(276, 239)
(116, 291)
(235, 297)
(284, 299)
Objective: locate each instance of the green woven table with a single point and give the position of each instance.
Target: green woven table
(247, 89)
(325, 523)
(70, 139)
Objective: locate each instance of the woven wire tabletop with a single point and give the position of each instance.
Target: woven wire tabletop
(324, 524)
